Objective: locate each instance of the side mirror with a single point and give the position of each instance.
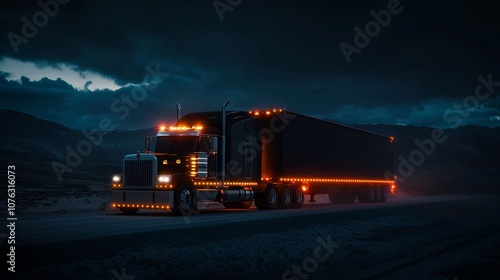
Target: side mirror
(214, 146)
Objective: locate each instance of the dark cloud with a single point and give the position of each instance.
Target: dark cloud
(46, 83)
(264, 54)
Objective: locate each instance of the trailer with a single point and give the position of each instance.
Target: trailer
(272, 158)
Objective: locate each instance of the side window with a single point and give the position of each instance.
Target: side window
(206, 145)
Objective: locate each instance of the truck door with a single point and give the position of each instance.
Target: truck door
(249, 157)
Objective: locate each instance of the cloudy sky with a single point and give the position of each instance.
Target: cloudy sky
(77, 62)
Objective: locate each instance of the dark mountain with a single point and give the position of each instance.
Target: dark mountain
(467, 162)
(36, 146)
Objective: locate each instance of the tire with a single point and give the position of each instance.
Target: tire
(285, 197)
(377, 194)
(129, 211)
(268, 199)
(238, 204)
(349, 196)
(297, 197)
(367, 194)
(184, 201)
(383, 194)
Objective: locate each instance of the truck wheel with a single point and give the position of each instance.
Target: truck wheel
(383, 193)
(349, 196)
(238, 204)
(267, 200)
(367, 194)
(377, 192)
(184, 201)
(297, 197)
(129, 211)
(285, 197)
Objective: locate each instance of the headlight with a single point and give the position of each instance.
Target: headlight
(117, 179)
(164, 178)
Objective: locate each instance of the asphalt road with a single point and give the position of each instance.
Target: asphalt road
(59, 228)
(409, 237)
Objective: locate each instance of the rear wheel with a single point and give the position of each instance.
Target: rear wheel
(377, 190)
(267, 200)
(297, 197)
(129, 211)
(366, 194)
(383, 193)
(285, 197)
(184, 201)
(238, 204)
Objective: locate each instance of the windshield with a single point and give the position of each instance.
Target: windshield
(176, 144)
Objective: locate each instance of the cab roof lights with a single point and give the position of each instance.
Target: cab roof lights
(264, 112)
(182, 128)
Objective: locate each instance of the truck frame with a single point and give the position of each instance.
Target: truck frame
(270, 157)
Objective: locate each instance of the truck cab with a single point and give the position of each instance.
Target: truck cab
(181, 166)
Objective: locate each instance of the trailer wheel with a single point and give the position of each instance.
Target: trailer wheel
(377, 194)
(129, 211)
(238, 204)
(367, 194)
(184, 201)
(267, 200)
(383, 193)
(297, 197)
(349, 196)
(285, 197)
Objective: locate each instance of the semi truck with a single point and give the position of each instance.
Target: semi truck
(272, 158)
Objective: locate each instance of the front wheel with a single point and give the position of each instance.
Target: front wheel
(184, 201)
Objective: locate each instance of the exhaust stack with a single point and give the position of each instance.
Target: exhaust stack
(224, 142)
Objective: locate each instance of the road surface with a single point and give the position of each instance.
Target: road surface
(414, 237)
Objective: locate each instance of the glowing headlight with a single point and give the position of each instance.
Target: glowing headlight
(164, 178)
(117, 178)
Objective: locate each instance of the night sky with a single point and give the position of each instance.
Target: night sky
(78, 62)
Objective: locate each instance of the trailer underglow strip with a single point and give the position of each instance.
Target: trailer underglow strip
(333, 180)
(225, 183)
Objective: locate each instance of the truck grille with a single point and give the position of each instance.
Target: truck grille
(138, 173)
